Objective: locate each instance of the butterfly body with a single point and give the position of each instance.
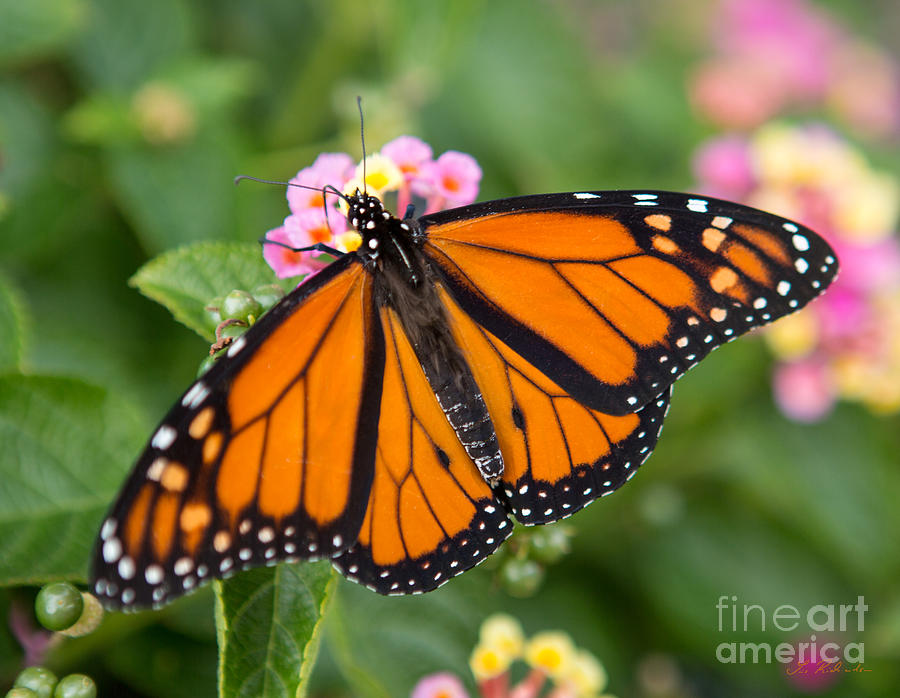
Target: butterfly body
(511, 358)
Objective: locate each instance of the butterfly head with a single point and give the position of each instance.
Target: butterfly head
(366, 213)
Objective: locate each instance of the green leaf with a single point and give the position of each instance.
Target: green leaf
(35, 28)
(187, 279)
(66, 447)
(13, 326)
(269, 622)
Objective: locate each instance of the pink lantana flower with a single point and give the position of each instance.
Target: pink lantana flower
(412, 155)
(329, 169)
(723, 165)
(285, 262)
(803, 390)
(452, 180)
(404, 166)
(441, 685)
(772, 55)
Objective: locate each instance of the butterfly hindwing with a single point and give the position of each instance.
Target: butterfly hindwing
(614, 295)
(268, 456)
(430, 514)
(559, 455)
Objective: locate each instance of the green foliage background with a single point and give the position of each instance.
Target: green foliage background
(548, 96)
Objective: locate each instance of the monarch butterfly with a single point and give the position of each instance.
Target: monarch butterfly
(513, 357)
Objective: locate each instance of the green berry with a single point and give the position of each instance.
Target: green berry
(240, 305)
(550, 544)
(214, 311)
(40, 680)
(76, 686)
(58, 606)
(521, 577)
(21, 692)
(268, 295)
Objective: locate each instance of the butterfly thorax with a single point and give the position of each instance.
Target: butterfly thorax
(404, 282)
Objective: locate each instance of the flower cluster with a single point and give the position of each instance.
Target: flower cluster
(847, 344)
(772, 55)
(556, 665)
(405, 168)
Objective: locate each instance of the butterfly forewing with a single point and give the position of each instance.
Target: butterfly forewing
(614, 295)
(254, 464)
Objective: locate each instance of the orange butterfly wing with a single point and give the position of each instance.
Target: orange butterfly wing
(430, 515)
(614, 295)
(254, 463)
(558, 454)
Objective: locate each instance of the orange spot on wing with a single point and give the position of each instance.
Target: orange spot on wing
(712, 238)
(163, 526)
(765, 241)
(748, 262)
(665, 245)
(201, 424)
(174, 477)
(137, 519)
(212, 446)
(659, 221)
(194, 519)
(722, 279)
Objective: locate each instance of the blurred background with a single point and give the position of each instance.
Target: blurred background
(776, 481)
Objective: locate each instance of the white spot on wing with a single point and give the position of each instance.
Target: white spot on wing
(126, 568)
(800, 242)
(586, 195)
(697, 205)
(153, 574)
(164, 437)
(109, 527)
(236, 346)
(112, 550)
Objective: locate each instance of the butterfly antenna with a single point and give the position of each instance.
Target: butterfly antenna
(326, 189)
(362, 139)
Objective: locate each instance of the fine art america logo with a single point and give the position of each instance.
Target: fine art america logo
(824, 626)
